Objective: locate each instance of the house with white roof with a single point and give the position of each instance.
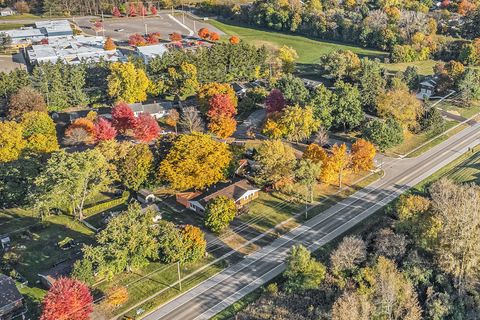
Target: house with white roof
(7, 12)
(147, 53)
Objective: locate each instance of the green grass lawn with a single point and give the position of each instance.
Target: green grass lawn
(20, 17)
(460, 108)
(8, 26)
(309, 50)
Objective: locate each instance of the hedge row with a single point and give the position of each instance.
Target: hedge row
(106, 205)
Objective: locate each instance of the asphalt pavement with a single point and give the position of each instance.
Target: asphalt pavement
(230, 285)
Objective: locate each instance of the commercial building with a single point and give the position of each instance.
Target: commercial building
(26, 36)
(147, 53)
(72, 50)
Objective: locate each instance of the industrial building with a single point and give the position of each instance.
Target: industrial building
(26, 36)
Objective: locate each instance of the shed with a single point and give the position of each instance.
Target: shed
(11, 301)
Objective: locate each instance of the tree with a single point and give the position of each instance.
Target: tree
(172, 119)
(191, 120)
(153, 38)
(352, 305)
(372, 82)
(347, 109)
(146, 128)
(204, 33)
(69, 180)
(104, 130)
(25, 100)
(222, 126)
(129, 240)
(276, 162)
(384, 134)
(234, 40)
(194, 243)
(109, 44)
(5, 42)
(363, 155)
(76, 136)
(84, 124)
(153, 10)
(182, 81)
(134, 168)
(11, 141)
(315, 153)
(208, 90)
(127, 83)
(389, 244)
(457, 213)
(67, 299)
(219, 212)
(336, 165)
(22, 7)
(469, 85)
(349, 254)
(137, 40)
(213, 36)
(302, 271)
(116, 13)
(321, 102)
(170, 242)
(293, 89)
(307, 173)
(341, 64)
(298, 123)
(132, 10)
(123, 118)
(275, 101)
(402, 106)
(221, 105)
(287, 57)
(195, 161)
(175, 37)
(116, 296)
(39, 132)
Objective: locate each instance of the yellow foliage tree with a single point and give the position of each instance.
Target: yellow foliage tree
(287, 56)
(195, 161)
(363, 155)
(109, 44)
(402, 106)
(11, 141)
(127, 83)
(336, 165)
(315, 153)
(222, 126)
(273, 129)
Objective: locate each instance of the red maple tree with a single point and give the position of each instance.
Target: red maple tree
(153, 10)
(123, 118)
(137, 40)
(153, 38)
(204, 33)
(104, 130)
(146, 128)
(221, 105)
(142, 10)
(132, 11)
(275, 101)
(116, 12)
(67, 299)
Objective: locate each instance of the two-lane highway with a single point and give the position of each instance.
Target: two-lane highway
(230, 285)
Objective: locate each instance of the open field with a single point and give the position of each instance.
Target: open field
(310, 50)
(8, 26)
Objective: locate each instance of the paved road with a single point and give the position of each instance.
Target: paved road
(218, 292)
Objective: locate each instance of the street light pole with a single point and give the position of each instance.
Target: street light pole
(179, 277)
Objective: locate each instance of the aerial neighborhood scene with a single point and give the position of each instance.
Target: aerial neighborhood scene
(239, 159)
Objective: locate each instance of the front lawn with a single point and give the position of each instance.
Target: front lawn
(9, 26)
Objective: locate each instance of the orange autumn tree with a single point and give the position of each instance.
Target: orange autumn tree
(81, 124)
(363, 155)
(208, 90)
(234, 40)
(109, 44)
(204, 33)
(315, 153)
(222, 126)
(214, 36)
(336, 165)
(175, 37)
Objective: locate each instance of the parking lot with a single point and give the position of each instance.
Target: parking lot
(121, 28)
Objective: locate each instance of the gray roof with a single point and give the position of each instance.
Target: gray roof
(8, 291)
(151, 108)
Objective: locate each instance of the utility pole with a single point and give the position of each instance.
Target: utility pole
(179, 277)
(306, 203)
(146, 29)
(194, 26)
